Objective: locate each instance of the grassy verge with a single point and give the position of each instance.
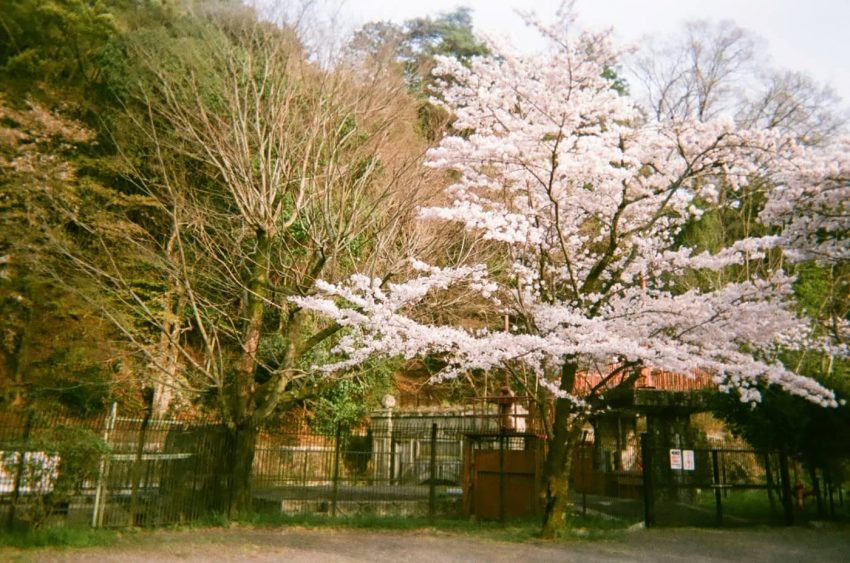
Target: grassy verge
(578, 527)
(754, 505)
(57, 537)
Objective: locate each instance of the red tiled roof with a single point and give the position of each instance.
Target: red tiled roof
(648, 379)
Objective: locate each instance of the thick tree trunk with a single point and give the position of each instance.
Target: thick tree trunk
(172, 328)
(169, 356)
(244, 386)
(243, 424)
(241, 442)
(20, 360)
(565, 432)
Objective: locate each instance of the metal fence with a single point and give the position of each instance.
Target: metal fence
(728, 487)
(387, 472)
(705, 486)
(697, 486)
(105, 472)
(118, 471)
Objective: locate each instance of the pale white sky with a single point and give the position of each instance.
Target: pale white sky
(812, 36)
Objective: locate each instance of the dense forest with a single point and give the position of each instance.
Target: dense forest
(107, 112)
(192, 194)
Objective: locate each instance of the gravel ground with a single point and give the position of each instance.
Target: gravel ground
(326, 545)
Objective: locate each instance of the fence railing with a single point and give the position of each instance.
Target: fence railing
(697, 486)
(117, 471)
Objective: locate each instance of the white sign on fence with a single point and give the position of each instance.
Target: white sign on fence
(688, 461)
(675, 459)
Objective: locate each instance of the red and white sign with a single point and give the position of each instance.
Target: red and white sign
(675, 459)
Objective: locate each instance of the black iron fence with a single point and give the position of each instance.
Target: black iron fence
(699, 486)
(409, 470)
(726, 487)
(705, 486)
(105, 472)
(120, 471)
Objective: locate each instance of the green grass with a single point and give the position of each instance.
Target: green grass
(578, 527)
(57, 536)
(754, 506)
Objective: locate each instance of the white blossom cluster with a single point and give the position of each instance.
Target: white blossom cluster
(812, 203)
(588, 198)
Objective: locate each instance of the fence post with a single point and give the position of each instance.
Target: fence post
(770, 484)
(137, 465)
(103, 471)
(19, 470)
(502, 475)
(648, 493)
(335, 489)
(432, 483)
(195, 511)
(787, 503)
(828, 484)
(718, 496)
(583, 461)
(816, 486)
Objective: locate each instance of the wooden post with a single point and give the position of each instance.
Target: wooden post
(584, 480)
(816, 487)
(502, 475)
(827, 477)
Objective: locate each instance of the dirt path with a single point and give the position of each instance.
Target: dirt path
(325, 546)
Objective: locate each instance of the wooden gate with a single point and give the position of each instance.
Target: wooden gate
(502, 475)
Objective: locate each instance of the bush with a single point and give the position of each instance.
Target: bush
(53, 467)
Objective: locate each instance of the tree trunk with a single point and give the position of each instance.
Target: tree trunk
(244, 386)
(565, 432)
(20, 360)
(239, 456)
(243, 425)
(169, 356)
(169, 340)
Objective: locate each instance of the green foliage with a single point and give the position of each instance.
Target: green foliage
(54, 465)
(57, 536)
(350, 400)
(823, 293)
(813, 434)
(618, 83)
(414, 46)
(72, 379)
(448, 34)
(54, 40)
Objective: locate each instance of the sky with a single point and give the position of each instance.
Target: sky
(812, 36)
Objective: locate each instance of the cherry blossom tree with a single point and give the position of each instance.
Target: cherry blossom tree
(585, 199)
(811, 205)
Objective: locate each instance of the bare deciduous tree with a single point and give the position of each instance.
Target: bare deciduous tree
(265, 172)
(717, 68)
(698, 74)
